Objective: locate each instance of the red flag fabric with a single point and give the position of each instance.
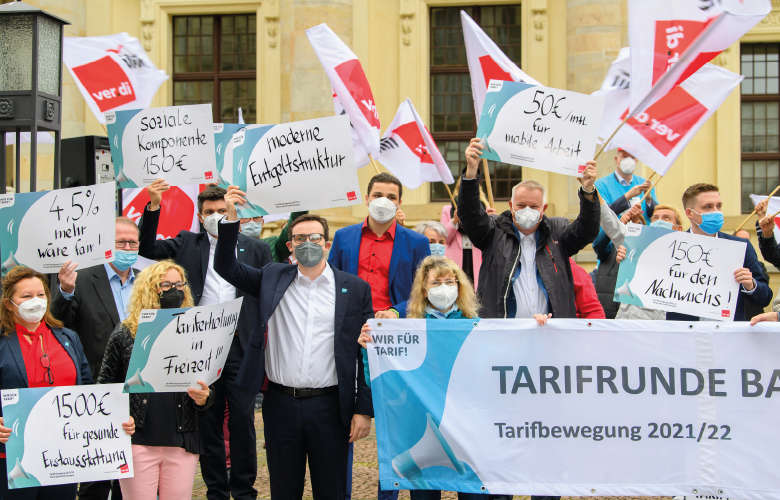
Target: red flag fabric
(487, 62)
(409, 151)
(349, 83)
(671, 39)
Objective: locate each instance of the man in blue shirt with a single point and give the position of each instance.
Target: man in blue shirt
(623, 189)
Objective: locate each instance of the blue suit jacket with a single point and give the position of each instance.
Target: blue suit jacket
(409, 249)
(268, 284)
(762, 295)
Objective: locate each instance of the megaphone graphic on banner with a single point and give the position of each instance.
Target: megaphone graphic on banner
(10, 262)
(134, 380)
(120, 179)
(17, 472)
(430, 451)
(624, 290)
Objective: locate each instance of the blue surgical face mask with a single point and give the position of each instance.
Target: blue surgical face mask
(438, 249)
(662, 223)
(252, 229)
(124, 259)
(711, 222)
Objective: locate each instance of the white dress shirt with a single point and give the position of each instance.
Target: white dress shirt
(215, 289)
(530, 298)
(300, 351)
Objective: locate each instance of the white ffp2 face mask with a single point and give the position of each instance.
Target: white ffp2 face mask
(627, 165)
(32, 310)
(210, 223)
(443, 296)
(382, 210)
(527, 217)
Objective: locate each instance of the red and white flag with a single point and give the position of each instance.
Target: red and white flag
(113, 72)
(349, 83)
(361, 156)
(771, 208)
(409, 152)
(487, 62)
(671, 39)
(657, 135)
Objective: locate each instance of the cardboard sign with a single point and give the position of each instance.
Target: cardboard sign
(174, 348)
(67, 434)
(42, 230)
(175, 143)
(296, 166)
(680, 272)
(539, 127)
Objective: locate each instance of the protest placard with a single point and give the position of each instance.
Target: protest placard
(577, 407)
(296, 166)
(174, 348)
(66, 434)
(175, 143)
(680, 272)
(539, 127)
(42, 230)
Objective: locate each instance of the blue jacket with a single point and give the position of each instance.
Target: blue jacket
(613, 193)
(761, 296)
(409, 249)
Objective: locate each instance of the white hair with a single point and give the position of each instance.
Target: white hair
(529, 184)
(432, 224)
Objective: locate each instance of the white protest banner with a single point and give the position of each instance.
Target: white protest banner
(577, 407)
(175, 143)
(66, 434)
(174, 348)
(487, 62)
(305, 165)
(772, 208)
(44, 229)
(671, 39)
(539, 127)
(112, 72)
(680, 272)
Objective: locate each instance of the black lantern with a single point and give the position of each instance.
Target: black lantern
(30, 82)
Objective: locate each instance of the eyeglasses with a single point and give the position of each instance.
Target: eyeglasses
(120, 244)
(167, 285)
(48, 376)
(244, 220)
(314, 238)
(449, 282)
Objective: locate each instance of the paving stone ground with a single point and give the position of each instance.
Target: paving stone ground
(364, 474)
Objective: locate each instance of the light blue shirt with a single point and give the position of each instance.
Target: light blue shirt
(121, 291)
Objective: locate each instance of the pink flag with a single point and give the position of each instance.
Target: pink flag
(409, 152)
(487, 62)
(658, 134)
(671, 39)
(349, 83)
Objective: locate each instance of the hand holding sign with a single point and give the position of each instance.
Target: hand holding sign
(232, 197)
(67, 276)
(156, 190)
(5, 432)
(200, 396)
(745, 278)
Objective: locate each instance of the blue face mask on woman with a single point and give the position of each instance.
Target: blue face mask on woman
(662, 223)
(711, 222)
(124, 260)
(438, 249)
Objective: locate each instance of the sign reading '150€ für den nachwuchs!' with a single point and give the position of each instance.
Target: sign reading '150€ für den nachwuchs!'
(42, 230)
(175, 143)
(539, 127)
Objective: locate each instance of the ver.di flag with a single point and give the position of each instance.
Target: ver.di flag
(349, 83)
(772, 207)
(615, 91)
(361, 156)
(657, 135)
(409, 152)
(112, 72)
(487, 62)
(671, 39)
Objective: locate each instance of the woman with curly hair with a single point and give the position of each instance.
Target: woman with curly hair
(166, 445)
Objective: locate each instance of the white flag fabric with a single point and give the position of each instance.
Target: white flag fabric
(657, 135)
(349, 82)
(112, 72)
(671, 39)
(772, 207)
(615, 89)
(409, 152)
(361, 156)
(487, 62)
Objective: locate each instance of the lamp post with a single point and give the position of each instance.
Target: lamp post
(30, 82)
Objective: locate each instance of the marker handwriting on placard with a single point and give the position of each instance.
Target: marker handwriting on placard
(165, 161)
(164, 121)
(320, 160)
(73, 213)
(82, 405)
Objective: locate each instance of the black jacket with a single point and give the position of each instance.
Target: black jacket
(769, 248)
(557, 240)
(191, 251)
(353, 308)
(91, 313)
(114, 371)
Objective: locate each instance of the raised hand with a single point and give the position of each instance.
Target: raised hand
(233, 196)
(155, 190)
(67, 276)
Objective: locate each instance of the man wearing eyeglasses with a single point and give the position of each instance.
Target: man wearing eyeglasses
(195, 252)
(91, 303)
(303, 352)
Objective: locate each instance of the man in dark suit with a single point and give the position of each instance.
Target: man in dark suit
(309, 362)
(703, 205)
(195, 253)
(91, 303)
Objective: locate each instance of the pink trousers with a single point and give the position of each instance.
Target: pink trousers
(171, 471)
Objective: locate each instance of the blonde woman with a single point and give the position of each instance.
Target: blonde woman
(166, 444)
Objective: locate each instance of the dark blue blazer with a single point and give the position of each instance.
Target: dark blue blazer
(761, 297)
(268, 284)
(409, 249)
